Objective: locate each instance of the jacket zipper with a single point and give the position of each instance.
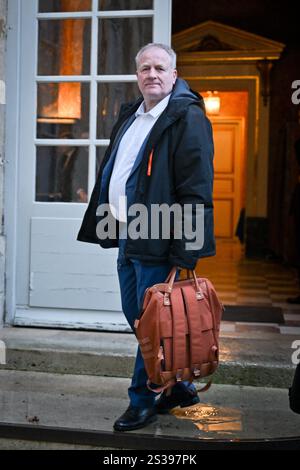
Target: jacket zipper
(150, 163)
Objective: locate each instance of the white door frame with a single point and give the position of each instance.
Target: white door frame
(16, 60)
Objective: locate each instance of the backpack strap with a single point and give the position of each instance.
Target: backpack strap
(195, 329)
(206, 387)
(167, 387)
(179, 333)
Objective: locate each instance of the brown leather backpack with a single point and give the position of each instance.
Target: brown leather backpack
(178, 330)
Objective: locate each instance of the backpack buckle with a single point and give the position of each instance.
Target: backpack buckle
(199, 295)
(167, 300)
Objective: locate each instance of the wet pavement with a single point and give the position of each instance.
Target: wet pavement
(93, 403)
(76, 382)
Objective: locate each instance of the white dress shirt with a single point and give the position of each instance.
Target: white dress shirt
(128, 150)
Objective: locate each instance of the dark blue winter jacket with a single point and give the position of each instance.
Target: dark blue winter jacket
(176, 167)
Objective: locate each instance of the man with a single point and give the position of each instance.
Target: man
(160, 152)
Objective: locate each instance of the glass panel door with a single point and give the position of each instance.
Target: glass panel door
(77, 67)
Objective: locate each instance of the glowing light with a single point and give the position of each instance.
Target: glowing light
(212, 103)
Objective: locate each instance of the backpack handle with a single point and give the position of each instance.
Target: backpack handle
(171, 279)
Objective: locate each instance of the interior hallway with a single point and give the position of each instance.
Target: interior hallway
(256, 283)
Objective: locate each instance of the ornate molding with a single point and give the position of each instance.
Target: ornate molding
(210, 43)
(211, 36)
(264, 67)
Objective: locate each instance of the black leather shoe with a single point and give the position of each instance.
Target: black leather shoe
(135, 418)
(294, 391)
(180, 396)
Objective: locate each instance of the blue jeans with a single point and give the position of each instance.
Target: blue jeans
(134, 278)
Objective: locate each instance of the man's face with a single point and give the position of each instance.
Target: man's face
(155, 75)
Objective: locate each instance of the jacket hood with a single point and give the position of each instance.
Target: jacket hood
(182, 91)
(181, 97)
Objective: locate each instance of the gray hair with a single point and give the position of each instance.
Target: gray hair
(166, 48)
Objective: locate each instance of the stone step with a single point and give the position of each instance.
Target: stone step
(81, 410)
(256, 359)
